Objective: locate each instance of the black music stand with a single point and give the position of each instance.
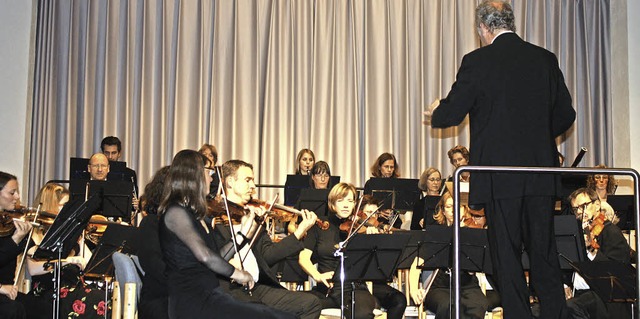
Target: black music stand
(293, 186)
(403, 192)
(612, 281)
(435, 249)
(625, 210)
(569, 241)
(116, 196)
(315, 200)
(116, 237)
(410, 251)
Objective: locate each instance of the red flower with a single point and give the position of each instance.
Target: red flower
(78, 307)
(100, 309)
(63, 292)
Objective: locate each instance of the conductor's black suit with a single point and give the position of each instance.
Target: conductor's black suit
(518, 103)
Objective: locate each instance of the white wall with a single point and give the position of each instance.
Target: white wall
(633, 9)
(15, 35)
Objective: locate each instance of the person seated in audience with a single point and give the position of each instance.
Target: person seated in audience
(604, 242)
(154, 296)
(603, 184)
(98, 167)
(430, 183)
(76, 299)
(473, 304)
(304, 161)
(193, 260)
(14, 304)
(211, 152)
(239, 187)
(320, 245)
(459, 156)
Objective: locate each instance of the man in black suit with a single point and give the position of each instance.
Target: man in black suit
(518, 103)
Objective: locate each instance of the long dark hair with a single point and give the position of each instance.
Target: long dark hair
(153, 191)
(185, 183)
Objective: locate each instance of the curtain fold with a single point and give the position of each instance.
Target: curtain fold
(264, 79)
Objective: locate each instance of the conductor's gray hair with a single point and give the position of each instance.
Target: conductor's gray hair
(495, 15)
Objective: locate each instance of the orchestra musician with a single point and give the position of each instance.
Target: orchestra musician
(76, 299)
(385, 166)
(304, 161)
(605, 242)
(211, 152)
(192, 257)
(320, 175)
(14, 304)
(154, 295)
(603, 184)
(111, 147)
(98, 167)
(320, 245)
(473, 303)
(518, 103)
(430, 183)
(239, 188)
(459, 156)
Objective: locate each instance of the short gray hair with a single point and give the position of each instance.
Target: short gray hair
(495, 15)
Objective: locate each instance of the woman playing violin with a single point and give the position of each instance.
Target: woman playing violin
(321, 245)
(75, 297)
(12, 303)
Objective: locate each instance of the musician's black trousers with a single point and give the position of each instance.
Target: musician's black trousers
(528, 221)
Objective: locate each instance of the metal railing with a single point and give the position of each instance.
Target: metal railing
(522, 170)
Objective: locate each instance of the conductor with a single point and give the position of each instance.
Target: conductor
(518, 103)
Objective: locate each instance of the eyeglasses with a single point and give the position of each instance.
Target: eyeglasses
(434, 179)
(322, 176)
(99, 166)
(477, 216)
(580, 208)
(600, 177)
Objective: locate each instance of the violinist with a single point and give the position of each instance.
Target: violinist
(320, 245)
(75, 297)
(604, 241)
(473, 302)
(14, 304)
(239, 188)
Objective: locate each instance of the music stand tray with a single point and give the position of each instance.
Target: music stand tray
(372, 257)
(569, 241)
(612, 281)
(116, 196)
(410, 251)
(116, 237)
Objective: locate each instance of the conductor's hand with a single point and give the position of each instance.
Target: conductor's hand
(325, 278)
(308, 220)
(9, 291)
(429, 112)
(22, 229)
(243, 277)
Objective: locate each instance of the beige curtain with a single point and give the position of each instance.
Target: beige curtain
(261, 79)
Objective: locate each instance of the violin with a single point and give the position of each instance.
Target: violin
(20, 212)
(354, 223)
(596, 225)
(284, 213)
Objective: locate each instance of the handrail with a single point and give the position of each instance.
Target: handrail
(542, 170)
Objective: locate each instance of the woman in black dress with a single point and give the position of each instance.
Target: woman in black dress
(192, 257)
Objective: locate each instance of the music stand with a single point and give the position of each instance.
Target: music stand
(612, 281)
(624, 208)
(315, 200)
(435, 248)
(116, 237)
(116, 196)
(410, 251)
(293, 186)
(404, 192)
(569, 241)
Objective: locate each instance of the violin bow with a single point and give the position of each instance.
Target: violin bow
(26, 246)
(257, 232)
(226, 208)
(354, 216)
